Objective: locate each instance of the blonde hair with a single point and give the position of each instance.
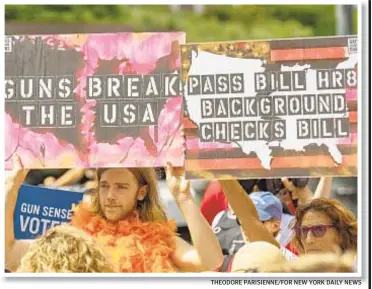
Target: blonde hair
(343, 219)
(65, 249)
(253, 255)
(150, 208)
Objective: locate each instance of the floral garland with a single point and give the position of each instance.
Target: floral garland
(135, 246)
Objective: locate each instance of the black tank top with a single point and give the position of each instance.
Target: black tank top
(228, 233)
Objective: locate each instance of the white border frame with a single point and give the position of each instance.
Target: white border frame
(358, 274)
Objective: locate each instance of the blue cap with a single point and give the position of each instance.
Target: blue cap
(267, 205)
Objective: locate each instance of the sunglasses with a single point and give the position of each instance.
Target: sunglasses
(318, 231)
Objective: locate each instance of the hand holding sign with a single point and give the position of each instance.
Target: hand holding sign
(18, 174)
(288, 184)
(301, 195)
(38, 209)
(177, 184)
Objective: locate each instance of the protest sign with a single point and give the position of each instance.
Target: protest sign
(271, 108)
(38, 209)
(94, 100)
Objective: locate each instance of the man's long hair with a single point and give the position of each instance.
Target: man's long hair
(149, 208)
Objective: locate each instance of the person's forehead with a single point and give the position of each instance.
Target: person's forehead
(315, 218)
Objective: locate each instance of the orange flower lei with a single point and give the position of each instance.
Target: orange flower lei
(134, 245)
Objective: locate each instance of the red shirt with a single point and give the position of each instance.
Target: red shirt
(213, 202)
(292, 248)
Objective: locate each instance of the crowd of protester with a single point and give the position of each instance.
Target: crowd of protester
(273, 225)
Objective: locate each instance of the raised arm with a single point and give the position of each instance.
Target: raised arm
(206, 254)
(305, 195)
(324, 188)
(246, 212)
(70, 177)
(14, 249)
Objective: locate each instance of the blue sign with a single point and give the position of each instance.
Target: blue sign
(38, 209)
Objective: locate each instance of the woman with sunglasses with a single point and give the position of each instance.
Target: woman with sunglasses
(325, 226)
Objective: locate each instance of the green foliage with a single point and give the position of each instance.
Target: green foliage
(218, 22)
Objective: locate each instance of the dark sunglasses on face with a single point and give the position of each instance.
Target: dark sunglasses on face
(318, 231)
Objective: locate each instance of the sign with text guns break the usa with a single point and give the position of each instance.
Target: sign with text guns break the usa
(94, 100)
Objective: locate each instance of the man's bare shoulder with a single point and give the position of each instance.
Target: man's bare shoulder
(14, 256)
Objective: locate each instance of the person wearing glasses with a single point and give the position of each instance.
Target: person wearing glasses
(325, 226)
(291, 192)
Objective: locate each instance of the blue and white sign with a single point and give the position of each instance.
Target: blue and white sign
(38, 209)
